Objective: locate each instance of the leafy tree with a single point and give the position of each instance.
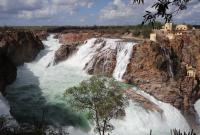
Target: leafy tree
(163, 10)
(102, 98)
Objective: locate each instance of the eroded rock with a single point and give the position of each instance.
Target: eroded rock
(64, 52)
(20, 46)
(16, 47)
(144, 102)
(149, 70)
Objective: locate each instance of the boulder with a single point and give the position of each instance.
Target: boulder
(64, 52)
(103, 62)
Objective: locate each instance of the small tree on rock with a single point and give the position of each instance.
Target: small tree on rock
(102, 98)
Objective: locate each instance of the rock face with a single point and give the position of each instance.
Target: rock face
(8, 71)
(64, 52)
(144, 102)
(104, 60)
(20, 47)
(157, 68)
(160, 70)
(41, 34)
(15, 49)
(75, 37)
(102, 63)
(80, 35)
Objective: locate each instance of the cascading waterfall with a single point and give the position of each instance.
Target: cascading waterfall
(170, 67)
(124, 53)
(139, 121)
(197, 108)
(123, 49)
(40, 86)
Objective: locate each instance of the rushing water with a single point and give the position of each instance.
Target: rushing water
(197, 108)
(40, 86)
(124, 54)
(39, 89)
(170, 63)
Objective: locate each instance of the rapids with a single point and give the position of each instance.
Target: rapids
(40, 86)
(124, 54)
(139, 121)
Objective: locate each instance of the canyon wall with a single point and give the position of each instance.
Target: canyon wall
(159, 68)
(16, 47)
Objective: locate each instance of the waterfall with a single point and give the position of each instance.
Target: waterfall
(170, 63)
(40, 85)
(102, 46)
(197, 108)
(139, 121)
(124, 53)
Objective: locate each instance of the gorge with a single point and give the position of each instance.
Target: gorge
(40, 84)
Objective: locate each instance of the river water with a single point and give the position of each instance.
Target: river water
(40, 86)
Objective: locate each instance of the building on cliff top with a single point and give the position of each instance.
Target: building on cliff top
(191, 72)
(167, 27)
(181, 27)
(153, 37)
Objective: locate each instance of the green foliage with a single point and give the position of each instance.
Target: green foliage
(102, 97)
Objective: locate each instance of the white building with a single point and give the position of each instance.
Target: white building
(168, 27)
(153, 37)
(181, 27)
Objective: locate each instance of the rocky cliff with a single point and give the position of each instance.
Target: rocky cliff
(8, 71)
(16, 47)
(41, 34)
(20, 46)
(64, 52)
(75, 37)
(160, 69)
(80, 35)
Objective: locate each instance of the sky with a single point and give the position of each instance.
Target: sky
(84, 12)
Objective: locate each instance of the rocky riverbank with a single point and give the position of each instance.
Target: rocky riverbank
(159, 68)
(16, 47)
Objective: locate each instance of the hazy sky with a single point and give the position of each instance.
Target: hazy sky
(83, 12)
